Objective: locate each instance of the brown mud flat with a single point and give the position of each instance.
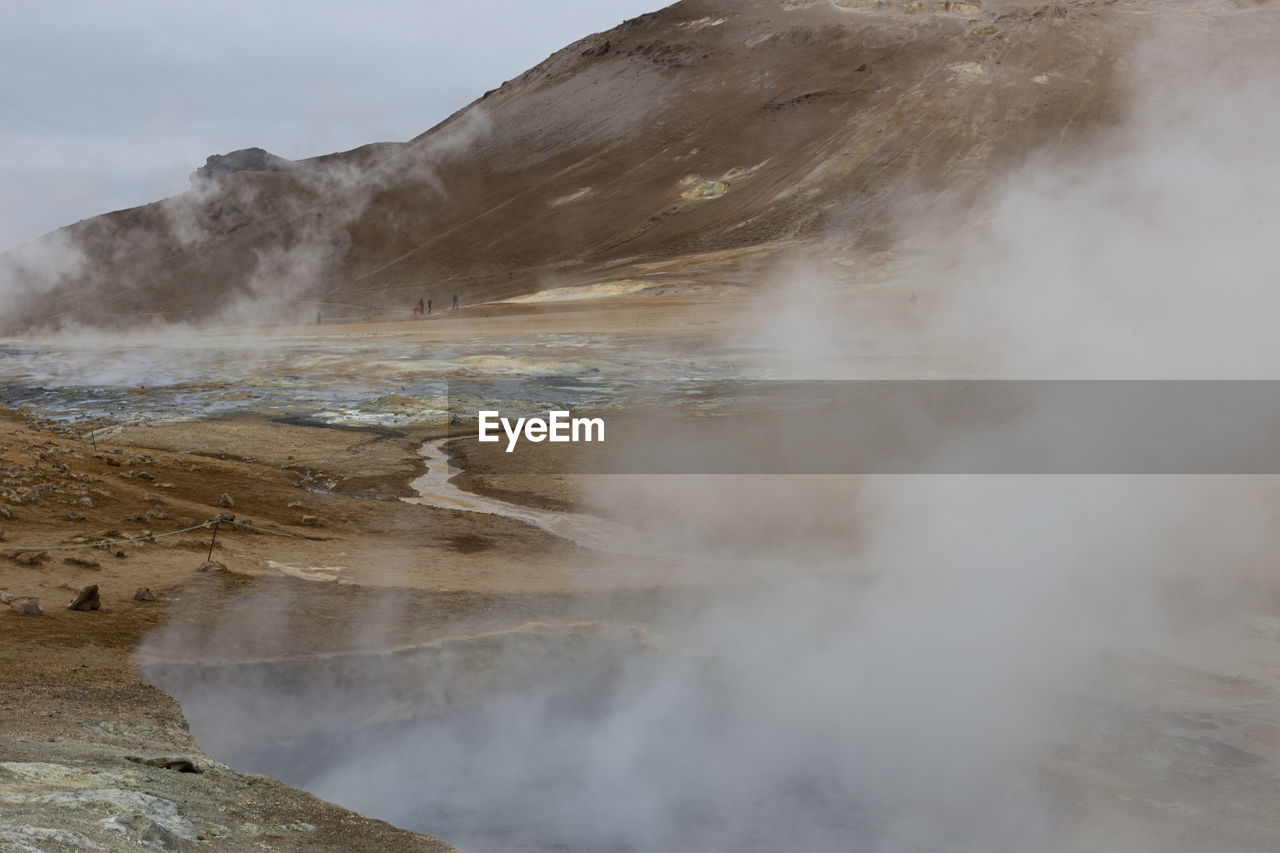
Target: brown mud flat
(308, 501)
(73, 712)
(74, 716)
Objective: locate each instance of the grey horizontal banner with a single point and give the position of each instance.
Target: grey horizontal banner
(872, 427)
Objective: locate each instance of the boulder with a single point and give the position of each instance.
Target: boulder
(86, 599)
(27, 606)
(211, 566)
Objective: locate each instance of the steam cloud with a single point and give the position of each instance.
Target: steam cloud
(870, 664)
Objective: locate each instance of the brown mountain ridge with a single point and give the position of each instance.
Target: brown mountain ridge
(706, 127)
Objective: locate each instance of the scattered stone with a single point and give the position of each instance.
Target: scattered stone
(243, 524)
(114, 463)
(225, 500)
(120, 555)
(109, 534)
(27, 606)
(86, 599)
(295, 505)
(312, 521)
(211, 566)
(224, 516)
(1, 535)
(153, 498)
(144, 593)
(145, 475)
(144, 534)
(31, 558)
(86, 502)
(8, 597)
(83, 562)
(157, 513)
(5, 512)
(74, 516)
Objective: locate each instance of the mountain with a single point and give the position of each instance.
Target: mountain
(706, 128)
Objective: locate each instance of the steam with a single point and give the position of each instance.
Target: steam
(1146, 255)
(870, 664)
(277, 281)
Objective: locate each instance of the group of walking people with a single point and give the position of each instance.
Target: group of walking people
(424, 306)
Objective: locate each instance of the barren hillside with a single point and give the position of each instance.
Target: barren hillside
(710, 125)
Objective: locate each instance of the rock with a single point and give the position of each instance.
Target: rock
(144, 593)
(5, 512)
(114, 463)
(312, 521)
(120, 555)
(225, 500)
(8, 597)
(211, 566)
(27, 606)
(180, 763)
(82, 562)
(86, 599)
(1, 535)
(244, 160)
(157, 513)
(31, 558)
(74, 516)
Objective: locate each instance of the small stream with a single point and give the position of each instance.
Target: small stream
(435, 488)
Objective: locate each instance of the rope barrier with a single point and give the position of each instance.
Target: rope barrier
(217, 521)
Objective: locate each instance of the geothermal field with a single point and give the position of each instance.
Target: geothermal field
(929, 503)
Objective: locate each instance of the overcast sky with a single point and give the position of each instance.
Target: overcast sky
(107, 104)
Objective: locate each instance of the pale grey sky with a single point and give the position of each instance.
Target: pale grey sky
(107, 104)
